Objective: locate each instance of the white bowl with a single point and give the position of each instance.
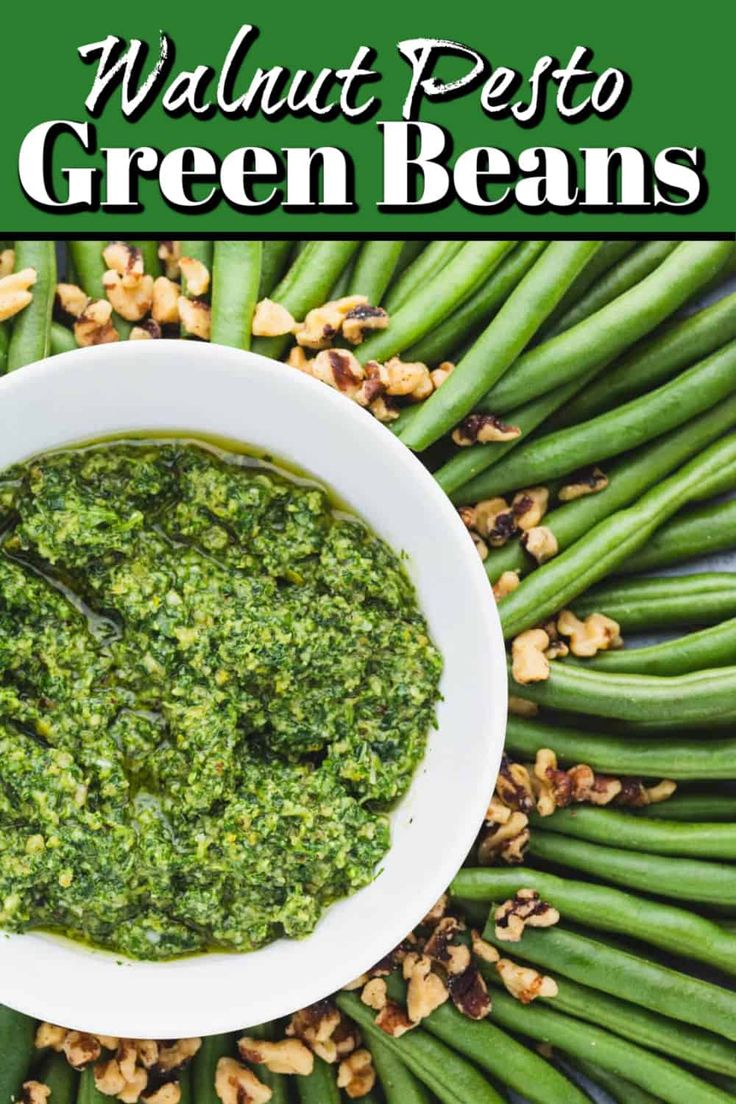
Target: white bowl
(201, 389)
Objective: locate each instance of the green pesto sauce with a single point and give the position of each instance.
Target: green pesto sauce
(213, 684)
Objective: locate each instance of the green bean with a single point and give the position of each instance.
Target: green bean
(609, 254)
(666, 602)
(236, 272)
(185, 1087)
(655, 360)
(58, 1076)
(611, 541)
(306, 285)
(693, 806)
(661, 837)
(669, 406)
(399, 1084)
(277, 1082)
(427, 265)
(683, 759)
(699, 532)
(375, 264)
(650, 1029)
(625, 975)
(435, 300)
(681, 879)
(197, 251)
(497, 1053)
(629, 477)
(273, 265)
(4, 342)
(617, 280)
(625, 1059)
(204, 1066)
(445, 1073)
(695, 698)
(620, 1090)
(342, 284)
(62, 340)
(89, 265)
(89, 1093)
(500, 343)
(607, 333)
(604, 908)
(30, 339)
(320, 1086)
(713, 647)
(445, 339)
(16, 1051)
(149, 252)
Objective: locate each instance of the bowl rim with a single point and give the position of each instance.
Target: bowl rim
(195, 1020)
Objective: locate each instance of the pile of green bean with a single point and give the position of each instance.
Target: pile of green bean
(601, 353)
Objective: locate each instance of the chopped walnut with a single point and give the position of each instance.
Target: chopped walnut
(560, 788)
(297, 358)
(94, 326)
(123, 259)
(482, 429)
(480, 546)
(597, 633)
(361, 320)
(317, 1026)
(234, 1084)
(14, 293)
(34, 1092)
(324, 323)
(497, 812)
(521, 707)
(438, 910)
(508, 841)
(51, 1036)
(131, 297)
(524, 983)
(426, 990)
(109, 1042)
(541, 543)
(196, 275)
(165, 306)
(524, 909)
(585, 482)
(7, 262)
(288, 1056)
(469, 993)
(530, 506)
(408, 378)
(506, 584)
(393, 1020)
(195, 317)
(468, 516)
(147, 1051)
(633, 792)
(339, 369)
(109, 1078)
(374, 384)
(374, 994)
(442, 373)
(147, 331)
(81, 1049)
(483, 950)
(486, 512)
(71, 299)
(453, 957)
(383, 410)
(356, 1074)
(514, 786)
(272, 320)
(529, 662)
(168, 1093)
(126, 1057)
(170, 253)
(174, 1055)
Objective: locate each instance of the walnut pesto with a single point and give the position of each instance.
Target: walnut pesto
(213, 684)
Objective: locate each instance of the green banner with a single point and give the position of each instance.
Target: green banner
(325, 119)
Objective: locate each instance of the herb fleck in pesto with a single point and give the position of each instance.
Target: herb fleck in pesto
(213, 684)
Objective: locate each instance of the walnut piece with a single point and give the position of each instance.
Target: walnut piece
(361, 320)
(71, 299)
(194, 316)
(469, 993)
(123, 259)
(483, 950)
(196, 275)
(524, 909)
(442, 373)
(81, 1049)
(530, 506)
(289, 1056)
(529, 662)
(524, 983)
(172, 1056)
(485, 514)
(541, 543)
(170, 253)
(408, 378)
(272, 320)
(168, 1093)
(482, 429)
(165, 306)
(51, 1036)
(506, 584)
(514, 786)
(426, 990)
(147, 331)
(131, 297)
(384, 411)
(393, 1020)
(234, 1084)
(34, 1092)
(437, 911)
(356, 1074)
(506, 842)
(324, 323)
(374, 994)
(7, 262)
(94, 326)
(585, 482)
(14, 292)
(597, 633)
(320, 1027)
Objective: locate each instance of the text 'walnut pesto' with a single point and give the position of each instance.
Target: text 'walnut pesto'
(213, 684)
